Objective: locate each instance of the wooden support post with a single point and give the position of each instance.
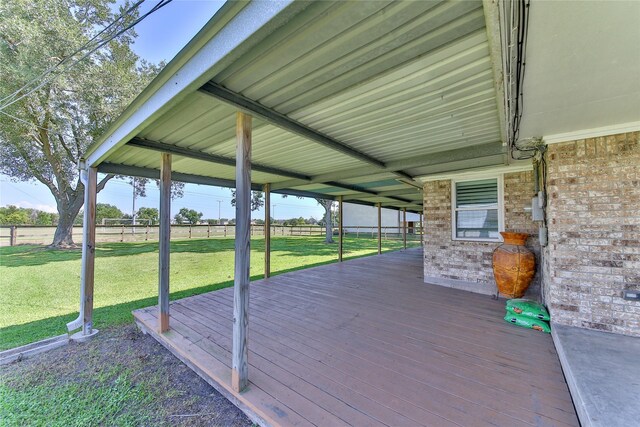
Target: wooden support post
(146, 233)
(89, 260)
(340, 229)
(404, 227)
(267, 230)
(240, 346)
(208, 230)
(421, 230)
(164, 241)
(379, 228)
(13, 233)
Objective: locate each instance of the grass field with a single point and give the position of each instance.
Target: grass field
(39, 288)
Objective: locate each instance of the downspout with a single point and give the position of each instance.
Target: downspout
(77, 324)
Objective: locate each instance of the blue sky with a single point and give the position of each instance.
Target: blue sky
(160, 37)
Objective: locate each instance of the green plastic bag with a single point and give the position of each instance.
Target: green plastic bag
(527, 322)
(527, 308)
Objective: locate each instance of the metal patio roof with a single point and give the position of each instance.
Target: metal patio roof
(348, 98)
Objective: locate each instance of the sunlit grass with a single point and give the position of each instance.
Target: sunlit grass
(39, 287)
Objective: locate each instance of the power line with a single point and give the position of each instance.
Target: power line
(93, 45)
(23, 192)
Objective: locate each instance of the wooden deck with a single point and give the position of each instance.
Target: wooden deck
(367, 343)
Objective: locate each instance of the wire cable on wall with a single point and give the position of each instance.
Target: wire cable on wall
(515, 26)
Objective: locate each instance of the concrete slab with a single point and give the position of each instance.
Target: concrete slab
(603, 373)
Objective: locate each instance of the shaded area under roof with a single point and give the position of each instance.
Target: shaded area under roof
(349, 98)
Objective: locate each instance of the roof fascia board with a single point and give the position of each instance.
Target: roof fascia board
(492, 25)
(220, 42)
(451, 156)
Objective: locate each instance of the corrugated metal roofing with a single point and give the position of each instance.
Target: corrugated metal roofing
(394, 80)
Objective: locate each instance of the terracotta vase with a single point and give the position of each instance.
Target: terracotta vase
(513, 265)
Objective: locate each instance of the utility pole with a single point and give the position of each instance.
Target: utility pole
(219, 217)
(274, 213)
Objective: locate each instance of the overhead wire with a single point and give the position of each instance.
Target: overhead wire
(93, 45)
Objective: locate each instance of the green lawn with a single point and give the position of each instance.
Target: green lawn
(39, 288)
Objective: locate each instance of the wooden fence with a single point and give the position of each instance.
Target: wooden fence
(34, 234)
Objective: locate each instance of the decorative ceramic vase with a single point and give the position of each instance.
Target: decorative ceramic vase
(513, 265)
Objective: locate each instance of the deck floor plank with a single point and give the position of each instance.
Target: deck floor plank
(366, 342)
(414, 367)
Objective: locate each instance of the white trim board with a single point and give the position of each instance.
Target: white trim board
(592, 133)
(500, 187)
(521, 166)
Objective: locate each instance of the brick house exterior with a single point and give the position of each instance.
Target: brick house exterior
(593, 218)
(444, 256)
(594, 233)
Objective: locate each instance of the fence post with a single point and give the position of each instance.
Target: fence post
(146, 233)
(122, 234)
(225, 230)
(189, 230)
(13, 233)
(208, 230)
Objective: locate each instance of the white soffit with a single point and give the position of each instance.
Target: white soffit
(582, 68)
(518, 166)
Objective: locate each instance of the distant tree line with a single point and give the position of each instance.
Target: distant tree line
(117, 217)
(13, 215)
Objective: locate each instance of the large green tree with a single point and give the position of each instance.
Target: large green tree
(43, 134)
(188, 216)
(106, 211)
(150, 214)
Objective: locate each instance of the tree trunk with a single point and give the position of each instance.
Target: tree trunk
(63, 237)
(327, 218)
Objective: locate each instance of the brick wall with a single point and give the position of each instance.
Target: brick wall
(465, 264)
(594, 233)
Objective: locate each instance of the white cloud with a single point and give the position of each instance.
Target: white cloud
(40, 207)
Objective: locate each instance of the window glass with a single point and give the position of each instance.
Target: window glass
(476, 209)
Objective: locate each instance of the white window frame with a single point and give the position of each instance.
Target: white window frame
(454, 209)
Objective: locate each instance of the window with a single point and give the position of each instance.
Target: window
(477, 209)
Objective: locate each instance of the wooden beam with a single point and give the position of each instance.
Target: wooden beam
(212, 158)
(90, 258)
(404, 227)
(240, 347)
(340, 228)
(379, 228)
(197, 179)
(474, 156)
(283, 121)
(399, 192)
(164, 241)
(267, 230)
